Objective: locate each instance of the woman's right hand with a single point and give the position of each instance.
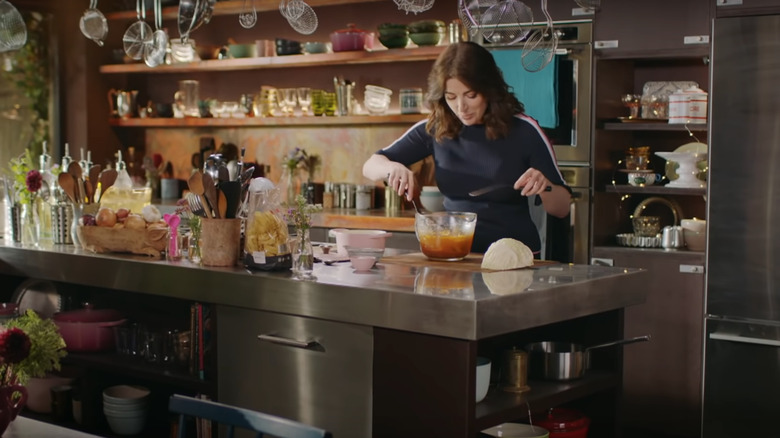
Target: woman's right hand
(401, 179)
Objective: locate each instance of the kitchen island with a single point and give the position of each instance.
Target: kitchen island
(386, 353)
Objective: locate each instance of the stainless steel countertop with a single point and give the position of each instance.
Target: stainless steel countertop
(445, 302)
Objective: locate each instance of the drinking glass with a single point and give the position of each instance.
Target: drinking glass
(329, 102)
(288, 100)
(318, 102)
(632, 102)
(304, 99)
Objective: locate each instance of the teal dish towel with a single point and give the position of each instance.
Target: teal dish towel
(538, 91)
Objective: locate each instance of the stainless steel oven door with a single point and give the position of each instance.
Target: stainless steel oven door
(571, 140)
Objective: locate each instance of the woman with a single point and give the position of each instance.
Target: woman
(478, 135)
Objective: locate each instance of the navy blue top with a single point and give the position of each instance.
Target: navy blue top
(471, 161)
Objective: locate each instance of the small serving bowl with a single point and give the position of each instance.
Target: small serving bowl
(432, 200)
(426, 38)
(363, 259)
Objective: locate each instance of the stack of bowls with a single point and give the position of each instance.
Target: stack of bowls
(377, 99)
(393, 36)
(288, 47)
(126, 408)
(426, 32)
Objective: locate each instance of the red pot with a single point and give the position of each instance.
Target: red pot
(88, 330)
(349, 39)
(564, 423)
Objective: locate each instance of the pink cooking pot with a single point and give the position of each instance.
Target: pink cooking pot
(88, 330)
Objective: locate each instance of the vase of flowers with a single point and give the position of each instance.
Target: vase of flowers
(30, 216)
(29, 347)
(302, 252)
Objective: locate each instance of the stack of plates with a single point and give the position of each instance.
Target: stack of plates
(517, 430)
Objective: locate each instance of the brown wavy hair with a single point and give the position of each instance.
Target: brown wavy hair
(473, 65)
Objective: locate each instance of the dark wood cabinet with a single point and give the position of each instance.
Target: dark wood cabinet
(734, 8)
(651, 28)
(662, 378)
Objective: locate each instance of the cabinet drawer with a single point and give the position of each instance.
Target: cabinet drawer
(314, 371)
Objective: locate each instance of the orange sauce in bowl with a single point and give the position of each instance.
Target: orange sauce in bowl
(445, 247)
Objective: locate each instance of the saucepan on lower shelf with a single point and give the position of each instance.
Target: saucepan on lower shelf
(564, 360)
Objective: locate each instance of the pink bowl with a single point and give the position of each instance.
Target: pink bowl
(359, 239)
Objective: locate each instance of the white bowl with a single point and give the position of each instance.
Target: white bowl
(122, 407)
(698, 225)
(125, 394)
(358, 238)
(483, 377)
(432, 201)
(427, 189)
(137, 412)
(126, 425)
(695, 240)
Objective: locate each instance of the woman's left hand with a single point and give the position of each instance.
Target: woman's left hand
(532, 182)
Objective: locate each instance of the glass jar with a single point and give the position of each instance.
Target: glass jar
(411, 100)
(363, 197)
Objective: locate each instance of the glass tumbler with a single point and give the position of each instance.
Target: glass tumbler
(304, 99)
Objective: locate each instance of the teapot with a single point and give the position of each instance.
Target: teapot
(122, 103)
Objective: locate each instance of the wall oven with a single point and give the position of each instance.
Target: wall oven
(571, 136)
(566, 240)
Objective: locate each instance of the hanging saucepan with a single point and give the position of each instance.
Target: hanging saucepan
(564, 360)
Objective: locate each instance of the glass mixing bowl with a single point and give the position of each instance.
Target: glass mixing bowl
(445, 235)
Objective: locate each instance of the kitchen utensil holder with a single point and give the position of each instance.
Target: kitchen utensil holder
(62, 221)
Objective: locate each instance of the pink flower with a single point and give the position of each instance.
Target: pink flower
(14, 345)
(33, 181)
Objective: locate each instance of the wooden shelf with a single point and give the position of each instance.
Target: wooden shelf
(233, 7)
(652, 126)
(696, 257)
(655, 190)
(111, 362)
(427, 53)
(211, 122)
(500, 406)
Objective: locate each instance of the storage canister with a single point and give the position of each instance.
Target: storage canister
(364, 197)
(347, 195)
(411, 100)
(688, 106)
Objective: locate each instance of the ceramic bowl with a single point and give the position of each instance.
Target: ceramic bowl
(358, 239)
(432, 201)
(363, 259)
(695, 240)
(125, 394)
(394, 42)
(241, 50)
(483, 377)
(426, 38)
(312, 47)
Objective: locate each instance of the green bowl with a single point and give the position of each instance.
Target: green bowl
(426, 38)
(397, 42)
(391, 27)
(426, 26)
(393, 33)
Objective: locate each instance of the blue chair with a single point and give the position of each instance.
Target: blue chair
(235, 417)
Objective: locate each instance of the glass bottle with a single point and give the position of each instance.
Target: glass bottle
(303, 256)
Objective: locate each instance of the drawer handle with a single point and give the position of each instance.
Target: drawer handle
(309, 345)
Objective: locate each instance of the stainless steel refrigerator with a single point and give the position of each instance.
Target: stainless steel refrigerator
(742, 352)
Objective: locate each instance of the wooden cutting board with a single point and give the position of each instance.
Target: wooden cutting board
(472, 262)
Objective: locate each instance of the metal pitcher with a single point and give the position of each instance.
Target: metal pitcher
(122, 103)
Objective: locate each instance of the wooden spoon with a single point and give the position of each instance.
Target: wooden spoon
(222, 204)
(68, 185)
(107, 178)
(196, 187)
(94, 176)
(77, 172)
(210, 191)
